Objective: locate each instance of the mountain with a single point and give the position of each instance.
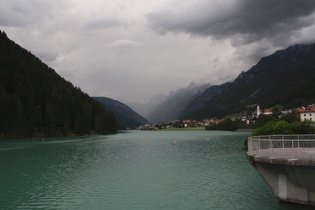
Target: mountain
(175, 103)
(36, 101)
(126, 117)
(145, 109)
(201, 99)
(286, 77)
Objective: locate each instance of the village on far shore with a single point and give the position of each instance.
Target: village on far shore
(304, 113)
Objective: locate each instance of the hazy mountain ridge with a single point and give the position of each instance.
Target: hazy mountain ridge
(284, 77)
(201, 99)
(175, 103)
(145, 109)
(126, 117)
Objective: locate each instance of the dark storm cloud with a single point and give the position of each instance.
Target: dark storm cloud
(106, 47)
(251, 20)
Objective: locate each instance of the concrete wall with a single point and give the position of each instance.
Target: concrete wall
(292, 183)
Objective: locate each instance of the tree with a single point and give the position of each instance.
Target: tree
(50, 120)
(227, 125)
(37, 120)
(2, 111)
(283, 127)
(276, 110)
(264, 119)
(13, 116)
(35, 101)
(291, 117)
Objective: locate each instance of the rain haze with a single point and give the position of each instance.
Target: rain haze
(131, 50)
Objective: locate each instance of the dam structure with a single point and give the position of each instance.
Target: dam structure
(287, 164)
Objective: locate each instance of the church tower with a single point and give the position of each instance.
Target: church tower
(258, 111)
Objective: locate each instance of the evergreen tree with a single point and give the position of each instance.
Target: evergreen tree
(50, 120)
(35, 101)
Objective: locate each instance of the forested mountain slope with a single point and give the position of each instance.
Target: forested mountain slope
(286, 77)
(36, 101)
(200, 100)
(126, 117)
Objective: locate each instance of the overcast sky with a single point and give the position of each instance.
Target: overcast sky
(130, 50)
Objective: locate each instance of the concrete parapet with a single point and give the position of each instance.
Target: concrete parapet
(291, 180)
(287, 164)
(282, 161)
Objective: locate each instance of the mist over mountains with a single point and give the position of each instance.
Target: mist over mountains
(145, 109)
(161, 108)
(175, 103)
(35, 100)
(285, 78)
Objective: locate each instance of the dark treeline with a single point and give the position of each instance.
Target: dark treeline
(36, 101)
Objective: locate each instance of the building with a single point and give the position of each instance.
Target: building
(267, 112)
(307, 113)
(258, 111)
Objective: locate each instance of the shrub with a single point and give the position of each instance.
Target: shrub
(284, 127)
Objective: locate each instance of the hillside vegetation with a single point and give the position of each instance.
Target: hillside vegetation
(36, 101)
(126, 117)
(286, 78)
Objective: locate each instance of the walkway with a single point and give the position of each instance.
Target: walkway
(282, 149)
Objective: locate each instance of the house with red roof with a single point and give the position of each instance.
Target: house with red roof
(267, 112)
(307, 113)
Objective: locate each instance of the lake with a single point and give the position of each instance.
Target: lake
(133, 170)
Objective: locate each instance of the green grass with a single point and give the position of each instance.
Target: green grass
(184, 129)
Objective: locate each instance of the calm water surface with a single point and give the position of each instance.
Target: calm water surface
(133, 170)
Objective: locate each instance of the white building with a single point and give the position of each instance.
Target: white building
(307, 113)
(258, 111)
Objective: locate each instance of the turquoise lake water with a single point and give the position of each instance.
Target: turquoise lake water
(133, 170)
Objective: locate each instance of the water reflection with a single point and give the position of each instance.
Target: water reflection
(133, 170)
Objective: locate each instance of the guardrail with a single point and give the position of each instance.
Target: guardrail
(283, 146)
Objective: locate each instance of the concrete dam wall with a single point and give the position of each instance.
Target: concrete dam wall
(287, 164)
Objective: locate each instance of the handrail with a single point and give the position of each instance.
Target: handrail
(283, 146)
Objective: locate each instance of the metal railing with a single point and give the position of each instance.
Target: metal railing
(283, 146)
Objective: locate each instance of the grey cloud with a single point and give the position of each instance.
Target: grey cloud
(252, 20)
(105, 23)
(21, 13)
(105, 47)
(47, 56)
(122, 45)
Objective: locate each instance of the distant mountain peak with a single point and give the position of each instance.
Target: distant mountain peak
(277, 62)
(176, 102)
(285, 77)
